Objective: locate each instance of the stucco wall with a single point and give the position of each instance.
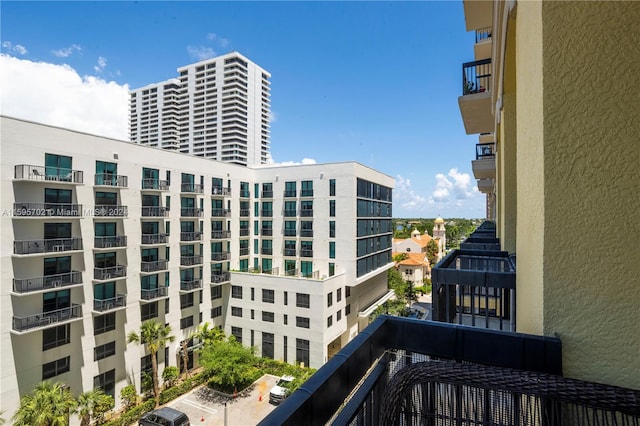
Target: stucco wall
(591, 153)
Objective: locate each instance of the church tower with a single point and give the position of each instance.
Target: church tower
(440, 233)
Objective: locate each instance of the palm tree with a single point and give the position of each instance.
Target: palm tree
(206, 335)
(153, 336)
(93, 404)
(50, 404)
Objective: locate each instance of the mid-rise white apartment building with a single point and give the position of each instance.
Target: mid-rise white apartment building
(99, 235)
(218, 108)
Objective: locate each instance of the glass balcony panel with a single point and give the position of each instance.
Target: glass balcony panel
(103, 305)
(48, 282)
(44, 319)
(47, 246)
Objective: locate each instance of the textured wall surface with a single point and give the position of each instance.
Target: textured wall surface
(591, 101)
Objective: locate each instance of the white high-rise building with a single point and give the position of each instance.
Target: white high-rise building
(218, 108)
(99, 235)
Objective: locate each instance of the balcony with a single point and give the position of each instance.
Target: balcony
(244, 193)
(244, 251)
(267, 194)
(110, 241)
(266, 232)
(219, 191)
(266, 251)
(220, 256)
(190, 285)
(220, 277)
(108, 179)
(478, 14)
(191, 212)
(47, 246)
(244, 212)
(306, 233)
(484, 43)
(190, 236)
(401, 371)
(104, 305)
(110, 211)
(191, 188)
(244, 232)
(153, 266)
(110, 273)
(266, 212)
(47, 282)
(290, 213)
(306, 252)
(154, 211)
(484, 166)
(475, 102)
(220, 234)
(27, 172)
(485, 186)
(155, 185)
(154, 238)
(220, 213)
(47, 210)
(289, 193)
(289, 252)
(45, 319)
(306, 192)
(289, 232)
(153, 293)
(306, 212)
(190, 260)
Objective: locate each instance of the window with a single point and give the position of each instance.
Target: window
(186, 300)
(284, 351)
(329, 321)
(104, 351)
(267, 345)
(54, 337)
(253, 314)
(347, 310)
(57, 367)
(302, 322)
(104, 323)
(332, 249)
(286, 319)
(332, 269)
(290, 209)
(302, 352)
(332, 187)
(253, 293)
(216, 312)
(57, 167)
(338, 315)
(332, 228)
(306, 208)
(329, 300)
(332, 208)
(286, 298)
(57, 230)
(302, 300)
(237, 333)
(236, 292)
(268, 316)
(338, 295)
(148, 311)
(347, 291)
(236, 311)
(268, 296)
(186, 322)
(290, 189)
(216, 292)
(307, 188)
(106, 381)
(290, 228)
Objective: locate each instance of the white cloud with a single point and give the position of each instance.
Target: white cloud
(65, 52)
(57, 95)
(221, 41)
(272, 162)
(102, 62)
(273, 117)
(407, 197)
(454, 187)
(14, 48)
(200, 53)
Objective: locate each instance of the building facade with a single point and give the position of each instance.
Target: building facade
(558, 157)
(99, 235)
(218, 108)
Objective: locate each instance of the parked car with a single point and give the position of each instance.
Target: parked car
(165, 416)
(281, 390)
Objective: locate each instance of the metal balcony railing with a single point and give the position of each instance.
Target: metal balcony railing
(267, 251)
(267, 194)
(47, 282)
(191, 212)
(306, 253)
(290, 212)
(244, 193)
(220, 212)
(220, 277)
(47, 209)
(244, 252)
(289, 232)
(43, 319)
(221, 234)
(485, 150)
(306, 192)
(47, 246)
(154, 293)
(153, 266)
(219, 190)
(306, 212)
(110, 211)
(220, 256)
(155, 184)
(266, 212)
(190, 285)
(483, 34)
(306, 233)
(190, 260)
(154, 211)
(112, 272)
(476, 76)
(110, 241)
(289, 252)
(192, 188)
(108, 179)
(290, 193)
(102, 305)
(154, 238)
(244, 212)
(266, 232)
(191, 236)
(48, 173)
(244, 232)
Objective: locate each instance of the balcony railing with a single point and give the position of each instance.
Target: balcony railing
(289, 232)
(306, 233)
(43, 319)
(306, 212)
(220, 235)
(244, 193)
(110, 211)
(244, 251)
(192, 188)
(266, 232)
(290, 193)
(220, 212)
(485, 150)
(46, 209)
(306, 253)
(47, 282)
(291, 273)
(102, 305)
(289, 252)
(267, 251)
(244, 232)
(220, 256)
(153, 266)
(154, 211)
(154, 293)
(267, 194)
(476, 76)
(306, 192)
(155, 184)
(483, 34)
(47, 246)
(190, 285)
(190, 260)
(47, 173)
(108, 179)
(112, 272)
(191, 212)
(220, 277)
(290, 212)
(219, 190)
(154, 238)
(266, 212)
(244, 212)
(110, 242)
(190, 236)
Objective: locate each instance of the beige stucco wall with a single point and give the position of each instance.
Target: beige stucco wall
(591, 168)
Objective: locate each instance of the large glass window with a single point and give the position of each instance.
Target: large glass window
(302, 300)
(106, 381)
(302, 352)
(108, 229)
(104, 291)
(306, 269)
(57, 367)
(307, 188)
(290, 189)
(57, 166)
(54, 300)
(104, 323)
(56, 336)
(302, 322)
(290, 209)
(332, 187)
(290, 228)
(57, 196)
(332, 250)
(54, 231)
(267, 345)
(106, 173)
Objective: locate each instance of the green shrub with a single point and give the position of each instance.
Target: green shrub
(133, 415)
(129, 396)
(170, 375)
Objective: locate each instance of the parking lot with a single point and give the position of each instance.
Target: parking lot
(207, 408)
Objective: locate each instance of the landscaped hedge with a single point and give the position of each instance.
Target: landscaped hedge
(133, 415)
(185, 386)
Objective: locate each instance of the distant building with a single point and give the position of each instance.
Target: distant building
(415, 267)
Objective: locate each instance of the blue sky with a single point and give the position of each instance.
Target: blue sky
(374, 82)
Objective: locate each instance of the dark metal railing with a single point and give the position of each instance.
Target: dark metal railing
(43, 319)
(290, 213)
(266, 212)
(47, 209)
(153, 266)
(220, 256)
(483, 34)
(48, 173)
(108, 179)
(109, 273)
(289, 252)
(190, 236)
(306, 192)
(289, 232)
(289, 193)
(102, 305)
(192, 188)
(191, 285)
(191, 212)
(267, 194)
(154, 211)
(306, 212)
(485, 150)
(476, 76)
(190, 260)
(219, 190)
(220, 234)
(154, 238)
(111, 241)
(156, 184)
(47, 246)
(267, 232)
(220, 277)
(306, 233)
(47, 282)
(244, 232)
(220, 212)
(306, 252)
(244, 252)
(154, 293)
(266, 250)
